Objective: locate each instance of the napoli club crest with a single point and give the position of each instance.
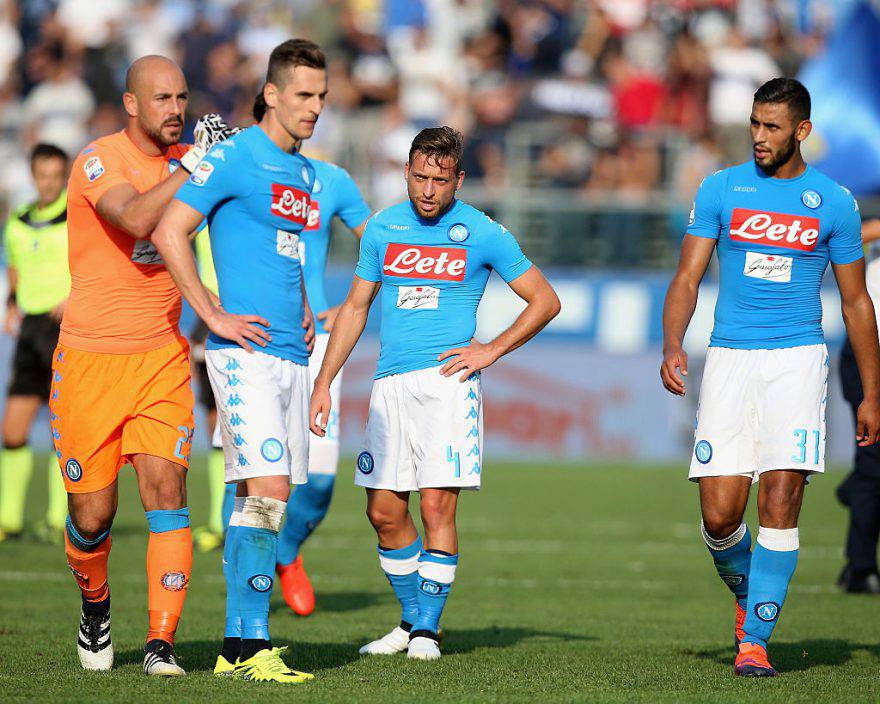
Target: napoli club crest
(458, 233)
(811, 199)
(365, 462)
(73, 470)
(703, 452)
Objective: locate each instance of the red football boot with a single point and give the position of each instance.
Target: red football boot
(751, 661)
(738, 632)
(296, 587)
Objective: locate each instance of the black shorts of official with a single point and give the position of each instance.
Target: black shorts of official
(32, 363)
(197, 344)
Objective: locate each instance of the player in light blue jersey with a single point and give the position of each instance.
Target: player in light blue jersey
(431, 256)
(334, 194)
(775, 223)
(255, 189)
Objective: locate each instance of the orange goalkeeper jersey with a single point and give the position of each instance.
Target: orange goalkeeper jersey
(122, 298)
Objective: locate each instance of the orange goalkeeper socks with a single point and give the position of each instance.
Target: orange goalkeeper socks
(87, 560)
(169, 564)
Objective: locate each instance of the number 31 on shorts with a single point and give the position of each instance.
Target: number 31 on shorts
(801, 437)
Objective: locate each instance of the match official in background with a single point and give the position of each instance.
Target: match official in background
(39, 283)
(860, 491)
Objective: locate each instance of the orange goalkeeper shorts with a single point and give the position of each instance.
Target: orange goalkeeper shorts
(104, 408)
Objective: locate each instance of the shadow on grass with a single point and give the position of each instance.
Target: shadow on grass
(466, 640)
(200, 655)
(338, 602)
(800, 655)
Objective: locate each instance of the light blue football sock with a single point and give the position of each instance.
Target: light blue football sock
(255, 550)
(401, 567)
(436, 575)
(306, 509)
(233, 614)
(773, 564)
(732, 556)
(228, 504)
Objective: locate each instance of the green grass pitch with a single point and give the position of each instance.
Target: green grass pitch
(579, 583)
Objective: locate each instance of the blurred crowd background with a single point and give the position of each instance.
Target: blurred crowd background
(589, 125)
(594, 116)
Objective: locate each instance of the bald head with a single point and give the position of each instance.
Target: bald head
(155, 99)
(147, 67)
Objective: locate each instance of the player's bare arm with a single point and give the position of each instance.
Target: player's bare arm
(349, 327)
(171, 239)
(542, 305)
(861, 327)
(308, 322)
(678, 308)
(139, 213)
(328, 317)
(871, 230)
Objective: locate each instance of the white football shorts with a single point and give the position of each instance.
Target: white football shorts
(424, 430)
(761, 410)
(324, 452)
(262, 412)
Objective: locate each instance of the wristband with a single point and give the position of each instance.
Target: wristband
(191, 159)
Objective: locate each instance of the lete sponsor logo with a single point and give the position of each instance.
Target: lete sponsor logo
(290, 203)
(774, 229)
(314, 221)
(420, 262)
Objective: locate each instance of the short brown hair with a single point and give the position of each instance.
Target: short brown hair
(292, 53)
(439, 143)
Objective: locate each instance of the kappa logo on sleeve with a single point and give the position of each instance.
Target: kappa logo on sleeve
(94, 168)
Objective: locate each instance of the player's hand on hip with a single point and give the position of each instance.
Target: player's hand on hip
(470, 359)
(868, 423)
(319, 410)
(674, 360)
(328, 317)
(241, 329)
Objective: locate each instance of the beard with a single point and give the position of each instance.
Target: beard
(780, 159)
(437, 213)
(155, 134)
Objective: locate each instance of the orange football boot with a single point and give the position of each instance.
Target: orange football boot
(296, 587)
(751, 661)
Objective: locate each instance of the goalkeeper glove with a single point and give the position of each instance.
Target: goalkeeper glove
(209, 130)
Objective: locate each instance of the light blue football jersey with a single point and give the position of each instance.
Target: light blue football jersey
(433, 274)
(256, 198)
(775, 239)
(334, 194)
